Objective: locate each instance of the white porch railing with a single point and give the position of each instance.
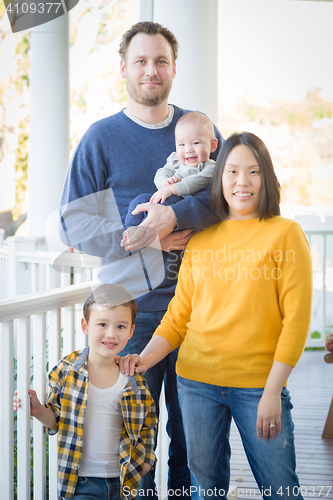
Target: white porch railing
(25, 268)
(35, 332)
(321, 243)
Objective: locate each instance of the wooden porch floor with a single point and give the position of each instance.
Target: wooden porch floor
(311, 388)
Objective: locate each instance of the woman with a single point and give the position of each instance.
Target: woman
(241, 316)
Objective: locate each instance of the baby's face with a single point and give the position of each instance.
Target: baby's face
(193, 143)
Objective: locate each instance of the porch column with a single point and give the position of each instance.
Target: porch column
(146, 12)
(195, 25)
(49, 121)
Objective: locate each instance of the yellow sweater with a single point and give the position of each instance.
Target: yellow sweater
(243, 299)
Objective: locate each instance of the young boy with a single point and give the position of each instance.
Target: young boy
(113, 436)
(188, 169)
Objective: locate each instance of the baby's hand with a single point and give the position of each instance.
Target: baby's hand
(161, 195)
(172, 180)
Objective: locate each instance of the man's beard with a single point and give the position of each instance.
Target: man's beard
(146, 98)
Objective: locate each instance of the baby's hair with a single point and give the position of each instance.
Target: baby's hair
(109, 296)
(200, 119)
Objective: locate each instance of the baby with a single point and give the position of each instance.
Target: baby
(187, 170)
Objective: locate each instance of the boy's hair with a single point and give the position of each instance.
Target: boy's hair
(149, 28)
(196, 117)
(109, 296)
(269, 204)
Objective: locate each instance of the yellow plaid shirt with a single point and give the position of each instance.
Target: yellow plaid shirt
(68, 398)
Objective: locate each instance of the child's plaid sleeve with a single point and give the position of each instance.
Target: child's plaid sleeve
(53, 401)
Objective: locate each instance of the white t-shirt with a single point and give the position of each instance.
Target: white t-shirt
(102, 429)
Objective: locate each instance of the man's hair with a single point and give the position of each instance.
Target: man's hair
(149, 28)
(269, 204)
(109, 296)
(197, 117)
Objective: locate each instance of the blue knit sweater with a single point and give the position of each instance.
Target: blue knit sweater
(115, 161)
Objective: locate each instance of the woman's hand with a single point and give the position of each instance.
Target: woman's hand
(269, 408)
(156, 349)
(269, 416)
(130, 364)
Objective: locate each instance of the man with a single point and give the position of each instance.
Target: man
(115, 161)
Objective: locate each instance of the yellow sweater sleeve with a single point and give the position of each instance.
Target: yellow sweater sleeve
(294, 295)
(173, 326)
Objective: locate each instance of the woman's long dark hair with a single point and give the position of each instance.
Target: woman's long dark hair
(269, 204)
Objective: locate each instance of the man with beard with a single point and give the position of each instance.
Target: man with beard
(115, 161)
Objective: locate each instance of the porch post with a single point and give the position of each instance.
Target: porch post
(49, 121)
(146, 10)
(195, 24)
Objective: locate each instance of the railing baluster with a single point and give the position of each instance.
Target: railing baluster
(65, 279)
(54, 356)
(324, 287)
(34, 277)
(6, 398)
(42, 277)
(81, 340)
(48, 276)
(23, 415)
(39, 336)
(68, 332)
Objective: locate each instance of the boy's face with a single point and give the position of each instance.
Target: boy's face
(193, 143)
(109, 330)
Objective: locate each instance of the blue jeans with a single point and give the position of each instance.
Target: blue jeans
(207, 411)
(178, 473)
(91, 488)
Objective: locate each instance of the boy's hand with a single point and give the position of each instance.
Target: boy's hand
(146, 468)
(36, 408)
(130, 364)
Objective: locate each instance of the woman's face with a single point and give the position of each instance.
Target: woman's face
(241, 183)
